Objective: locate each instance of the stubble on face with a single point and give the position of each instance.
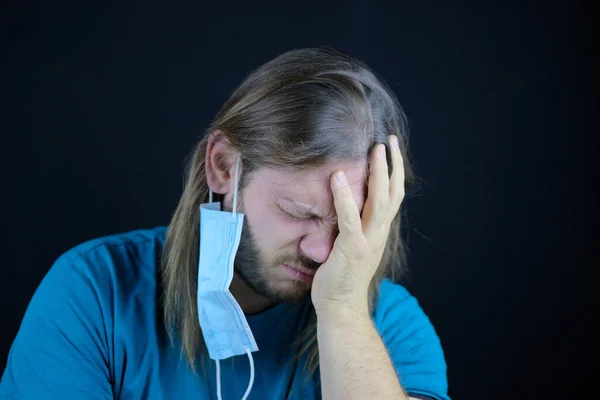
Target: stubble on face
(259, 274)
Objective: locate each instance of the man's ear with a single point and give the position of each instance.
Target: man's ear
(220, 163)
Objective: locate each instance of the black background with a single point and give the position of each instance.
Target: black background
(102, 102)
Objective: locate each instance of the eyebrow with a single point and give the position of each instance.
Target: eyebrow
(302, 206)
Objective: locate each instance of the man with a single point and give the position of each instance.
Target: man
(309, 162)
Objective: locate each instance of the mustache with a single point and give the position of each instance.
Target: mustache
(299, 261)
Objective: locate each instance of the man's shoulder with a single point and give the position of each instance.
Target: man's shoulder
(92, 314)
(117, 242)
(391, 292)
(117, 257)
(412, 341)
(395, 302)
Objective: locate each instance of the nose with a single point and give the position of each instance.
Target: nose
(318, 245)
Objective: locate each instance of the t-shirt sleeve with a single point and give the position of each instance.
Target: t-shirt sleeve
(62, 347)
(413, 345)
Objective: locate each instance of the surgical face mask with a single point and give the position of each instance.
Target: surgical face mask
(223, 323)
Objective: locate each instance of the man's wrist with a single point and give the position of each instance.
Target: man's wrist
(344, 315)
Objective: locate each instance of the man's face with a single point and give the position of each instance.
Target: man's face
(290, 223)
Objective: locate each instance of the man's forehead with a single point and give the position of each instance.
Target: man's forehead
(311, 188)
(289, 178)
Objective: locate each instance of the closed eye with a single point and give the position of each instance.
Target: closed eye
(297, 218)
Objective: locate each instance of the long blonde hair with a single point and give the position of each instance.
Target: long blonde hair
(304, 108)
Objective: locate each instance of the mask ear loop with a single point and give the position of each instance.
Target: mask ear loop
(218, 380)
(237, 169)
(250, 384)
(251, 360)
(235, 190)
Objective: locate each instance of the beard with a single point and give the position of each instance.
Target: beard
(251, 267)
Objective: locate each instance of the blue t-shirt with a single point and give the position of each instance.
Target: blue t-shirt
(94, 330)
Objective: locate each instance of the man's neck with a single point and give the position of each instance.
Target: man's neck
(249, 300)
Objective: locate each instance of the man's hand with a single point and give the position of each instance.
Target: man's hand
(342, 282)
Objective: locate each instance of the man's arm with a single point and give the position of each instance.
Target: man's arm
(354, 363)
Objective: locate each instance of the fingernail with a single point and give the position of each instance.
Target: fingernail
(395, 142)
(381, 151)
(341, 178)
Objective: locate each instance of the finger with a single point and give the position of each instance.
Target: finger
(398, 177)
(376, 208)
(349, 222)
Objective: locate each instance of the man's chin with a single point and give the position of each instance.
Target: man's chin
(277, 289)
(290, 291)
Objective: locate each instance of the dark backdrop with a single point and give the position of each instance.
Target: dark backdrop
(102, 102)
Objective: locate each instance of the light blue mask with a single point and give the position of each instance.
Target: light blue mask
(223, 323)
